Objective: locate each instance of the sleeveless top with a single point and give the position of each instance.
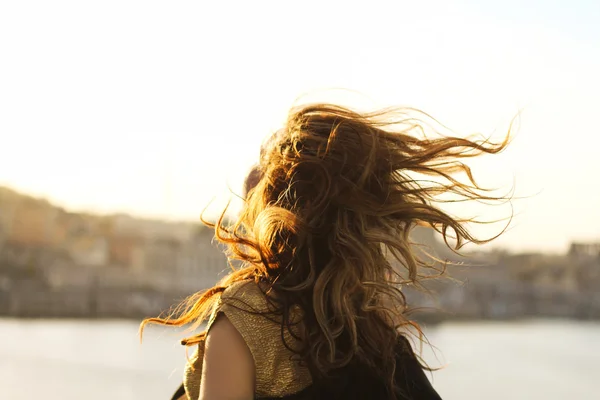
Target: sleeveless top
(279, 373)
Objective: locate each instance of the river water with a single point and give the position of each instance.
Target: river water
(101, 360)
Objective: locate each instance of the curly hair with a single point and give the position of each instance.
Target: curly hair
(326, 224)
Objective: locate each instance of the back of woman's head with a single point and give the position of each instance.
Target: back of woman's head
(354, 183)
(327, 219)
(337, 196)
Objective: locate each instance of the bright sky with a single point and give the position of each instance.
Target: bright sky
(154, 107)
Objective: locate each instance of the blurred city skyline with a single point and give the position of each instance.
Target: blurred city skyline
(158, 117)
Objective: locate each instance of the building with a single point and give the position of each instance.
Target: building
(580, 249)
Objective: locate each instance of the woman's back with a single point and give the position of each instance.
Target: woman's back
(280, 373)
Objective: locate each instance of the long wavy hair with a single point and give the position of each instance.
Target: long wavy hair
(326, 228)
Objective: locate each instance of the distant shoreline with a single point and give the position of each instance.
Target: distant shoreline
(430, 321)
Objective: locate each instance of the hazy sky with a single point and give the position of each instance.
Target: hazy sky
(153, 108)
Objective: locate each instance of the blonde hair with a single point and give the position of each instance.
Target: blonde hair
(334, 191)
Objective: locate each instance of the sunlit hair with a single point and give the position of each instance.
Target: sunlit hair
(326, 225)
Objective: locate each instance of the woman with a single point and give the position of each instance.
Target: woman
(315, 310)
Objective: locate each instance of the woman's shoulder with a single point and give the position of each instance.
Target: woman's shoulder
(242, 298)
(246, 306)
(247, 290)
(278, 373)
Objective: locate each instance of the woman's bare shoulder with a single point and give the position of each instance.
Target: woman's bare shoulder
(228, 370)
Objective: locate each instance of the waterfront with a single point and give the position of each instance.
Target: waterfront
(98, 360)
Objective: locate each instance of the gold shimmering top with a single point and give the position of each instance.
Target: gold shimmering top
(278, 373)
